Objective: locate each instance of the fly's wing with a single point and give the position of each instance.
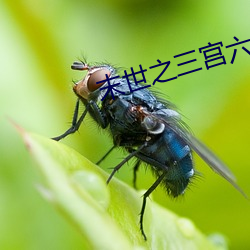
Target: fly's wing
(208, 156)
(175, 124)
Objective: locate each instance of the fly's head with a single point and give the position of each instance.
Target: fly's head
(95, 74)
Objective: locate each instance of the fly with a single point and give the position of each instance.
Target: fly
(149, 128)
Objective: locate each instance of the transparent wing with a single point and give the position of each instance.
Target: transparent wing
(175, 124)
(207, 155)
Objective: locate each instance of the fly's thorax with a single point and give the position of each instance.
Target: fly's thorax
(152, 125)
(154, 122)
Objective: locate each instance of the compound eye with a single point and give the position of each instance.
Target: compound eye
(97, 76)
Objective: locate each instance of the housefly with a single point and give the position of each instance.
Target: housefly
(150, 129)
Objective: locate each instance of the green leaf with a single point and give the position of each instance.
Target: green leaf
(107, 215)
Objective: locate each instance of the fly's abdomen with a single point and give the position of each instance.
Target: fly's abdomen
(168, 154)
(180, 165)
(178, 176)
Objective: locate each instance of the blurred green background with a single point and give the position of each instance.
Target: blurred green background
(39, 41)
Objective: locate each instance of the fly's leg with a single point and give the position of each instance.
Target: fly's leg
(97, 114)
(145, 196)
(75, 124)
(135, 169)
(125, 160)
(90, 107)
(105, 155)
